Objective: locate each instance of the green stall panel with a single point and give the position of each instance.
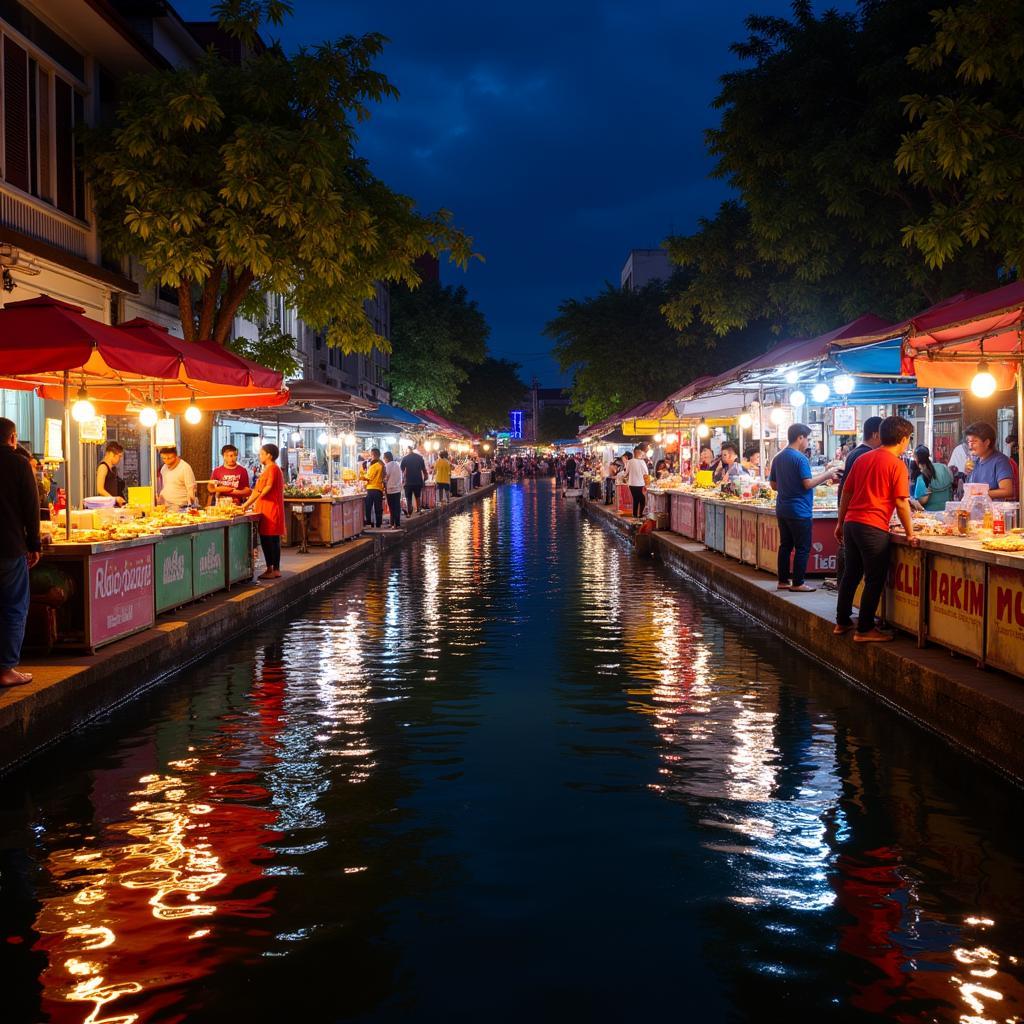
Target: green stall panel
(173, 571)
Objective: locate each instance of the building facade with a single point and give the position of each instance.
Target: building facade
(643, 266)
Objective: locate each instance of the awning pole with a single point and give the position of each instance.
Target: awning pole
(760, 418)
(67, 458)
(929, 421)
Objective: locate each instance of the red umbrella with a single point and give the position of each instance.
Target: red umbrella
(45, 335)
(200, 362)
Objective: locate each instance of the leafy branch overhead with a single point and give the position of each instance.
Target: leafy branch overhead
(225, 177)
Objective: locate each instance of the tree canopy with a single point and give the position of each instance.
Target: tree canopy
(621, 350)
(227, 179)
(491, 389)
(808, 134)
(437, 334)
(966, 148)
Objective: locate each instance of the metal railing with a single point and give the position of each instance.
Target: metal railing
(37, 219)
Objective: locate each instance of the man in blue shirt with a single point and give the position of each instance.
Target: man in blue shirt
(794, 507)
(990, 466)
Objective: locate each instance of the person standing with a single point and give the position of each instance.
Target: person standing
(991, 466)
(611, 471)
(393, 489)
(229, 480)
(637, 477)
(877, 486)
(267, 498)
(108, 483)
(375, 490)
(177, 481)
(570, 472)
(869, 443)
(442, 477)
(414, 470)
(934, 484)
(19, 551)
(794, 507)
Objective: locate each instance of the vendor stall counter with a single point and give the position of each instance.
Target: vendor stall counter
(333, 519)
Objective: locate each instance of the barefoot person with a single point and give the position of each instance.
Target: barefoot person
(19, 551)
(267, 499)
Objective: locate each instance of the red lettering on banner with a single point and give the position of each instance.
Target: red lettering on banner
(956, 592)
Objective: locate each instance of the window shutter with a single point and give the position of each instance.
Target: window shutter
(64, 131)
(16, 114)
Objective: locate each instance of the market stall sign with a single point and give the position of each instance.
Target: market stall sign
(956, 603)
(239, 552)
(904, 591)
(120, 594)
(683, 518)
(1004, 642)
(824, 557)
(749, 547)
(768, 543)
(53, 440)
(93, 431)
(844, 419)
(733, 540)
(208, 572)
(173, 556)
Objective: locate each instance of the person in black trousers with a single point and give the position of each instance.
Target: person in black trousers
(19, 550)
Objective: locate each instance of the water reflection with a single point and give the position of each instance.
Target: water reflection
(501, 777)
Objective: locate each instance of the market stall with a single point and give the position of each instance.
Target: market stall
(337, 516)
(115, 575)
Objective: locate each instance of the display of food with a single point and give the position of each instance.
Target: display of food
(131, 524)
(1013, 544)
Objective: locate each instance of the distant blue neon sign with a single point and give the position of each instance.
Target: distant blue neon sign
(515, 419)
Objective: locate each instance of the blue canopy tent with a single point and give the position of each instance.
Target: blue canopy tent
(373, 423)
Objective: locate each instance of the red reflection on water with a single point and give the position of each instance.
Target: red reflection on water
(151, 903)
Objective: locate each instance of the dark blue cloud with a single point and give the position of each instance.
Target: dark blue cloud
(560, 134)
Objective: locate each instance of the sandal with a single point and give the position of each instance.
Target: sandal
(802, 589)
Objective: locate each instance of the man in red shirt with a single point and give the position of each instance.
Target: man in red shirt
(876, 485)
(230, 480)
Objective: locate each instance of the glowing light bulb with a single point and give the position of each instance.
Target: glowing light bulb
(193, 413)
(671, 438)
(83, 409)
(703, 430)
(984, 384)
(296, 436)
(746, 421)
(149, 416)
(797, 399)
(792, 377)
(843, 384)
(777, 415)
(820, 392)
(657, 438)
(321, 438)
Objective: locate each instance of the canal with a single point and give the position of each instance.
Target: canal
(511, 773)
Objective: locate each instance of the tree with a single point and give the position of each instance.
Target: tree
(230, 179)
(437, 334)
(967, 148)
(491, 389)
(557, 424)
(807, 134)
(621, 350)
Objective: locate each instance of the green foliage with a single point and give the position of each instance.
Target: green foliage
(272, 348)
(490, 390)
(222, 177)
(966, 149)
(807, 135)
(557, 424)
(621, 351)
(437, 334)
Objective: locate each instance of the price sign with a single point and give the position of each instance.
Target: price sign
(93, 431)
(844, 419)
(54, 440)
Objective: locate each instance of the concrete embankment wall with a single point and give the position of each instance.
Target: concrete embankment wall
(977, 710)
(69, 690)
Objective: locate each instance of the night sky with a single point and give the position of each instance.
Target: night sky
(561, 135)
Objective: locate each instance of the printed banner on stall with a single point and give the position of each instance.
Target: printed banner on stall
(682, 513)
(956, 603)
(1004, 645)
(733, 540)
(240, 552)
(749, 553)
(903, 588)
(173, 572)
(208, 562)
(120, 593)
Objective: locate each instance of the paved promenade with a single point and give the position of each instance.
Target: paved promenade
(68, 690)
(979, 710)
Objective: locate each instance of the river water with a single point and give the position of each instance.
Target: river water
(512, 773)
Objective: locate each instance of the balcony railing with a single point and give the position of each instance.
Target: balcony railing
(34, 218)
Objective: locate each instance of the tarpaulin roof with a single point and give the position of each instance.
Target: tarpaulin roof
(993, 320)
(313, 394)
(393, 414)
(437, 420)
